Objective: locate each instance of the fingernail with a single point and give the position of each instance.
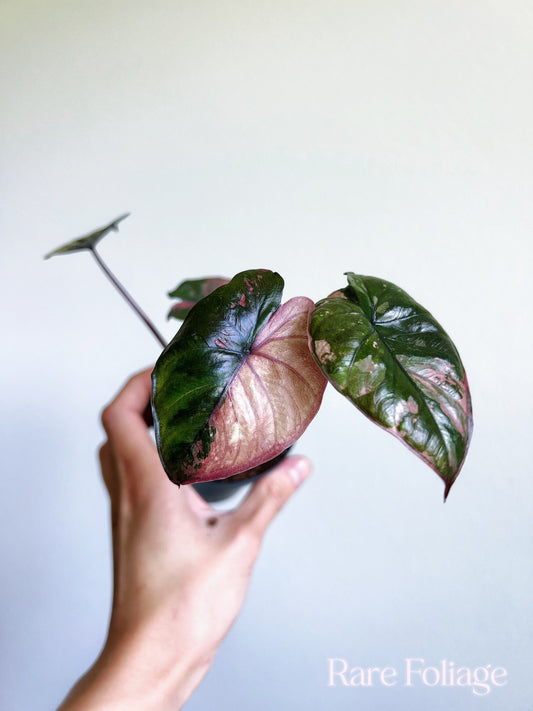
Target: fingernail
(299, 471)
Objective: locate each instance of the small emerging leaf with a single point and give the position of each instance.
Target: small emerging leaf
(237, 385)
(190, 292)
(88, 241)
(392, 360)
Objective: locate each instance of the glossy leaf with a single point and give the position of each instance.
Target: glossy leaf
(190, 292)
(88, 241)
(390, 357)
(237, 385)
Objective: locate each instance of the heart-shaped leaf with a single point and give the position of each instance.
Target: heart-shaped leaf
(190, 292)
(390, 357)
(237, 385)
(88, 241)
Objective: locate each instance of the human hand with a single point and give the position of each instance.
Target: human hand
(181, 569)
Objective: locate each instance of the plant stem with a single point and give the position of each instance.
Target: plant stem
(131, 301)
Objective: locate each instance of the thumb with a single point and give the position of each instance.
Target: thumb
(271, 492)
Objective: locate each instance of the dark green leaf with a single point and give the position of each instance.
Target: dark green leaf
(88, 241)
(390, 357)
(237, 385)
(190, 292)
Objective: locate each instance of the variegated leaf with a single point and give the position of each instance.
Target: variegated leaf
(392, 360)
(238, 384)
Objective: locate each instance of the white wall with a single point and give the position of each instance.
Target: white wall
(385, 138)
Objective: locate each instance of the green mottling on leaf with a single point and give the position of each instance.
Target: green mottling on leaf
(192, 374)
(394, 362)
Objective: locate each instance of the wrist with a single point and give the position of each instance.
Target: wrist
(135, 674)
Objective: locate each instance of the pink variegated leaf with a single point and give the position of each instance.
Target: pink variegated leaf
(238, 384)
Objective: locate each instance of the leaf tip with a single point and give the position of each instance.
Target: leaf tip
(59, 250)
(447, 488)
(114, 224)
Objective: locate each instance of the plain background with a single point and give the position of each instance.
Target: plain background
(385, 138)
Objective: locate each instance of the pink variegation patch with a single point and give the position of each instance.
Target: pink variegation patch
(271, 400)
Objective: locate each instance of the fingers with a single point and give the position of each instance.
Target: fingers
(109, 475)
(125, 425)
(106, 465)
(131, 401)
(270, 493)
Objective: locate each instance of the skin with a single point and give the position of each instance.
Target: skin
(181, 569)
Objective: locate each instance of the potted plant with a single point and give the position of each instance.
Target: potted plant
(245, 374)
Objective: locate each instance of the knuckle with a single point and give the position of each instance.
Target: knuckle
(108, 416)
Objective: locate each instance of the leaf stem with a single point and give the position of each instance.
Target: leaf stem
(131, 301)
